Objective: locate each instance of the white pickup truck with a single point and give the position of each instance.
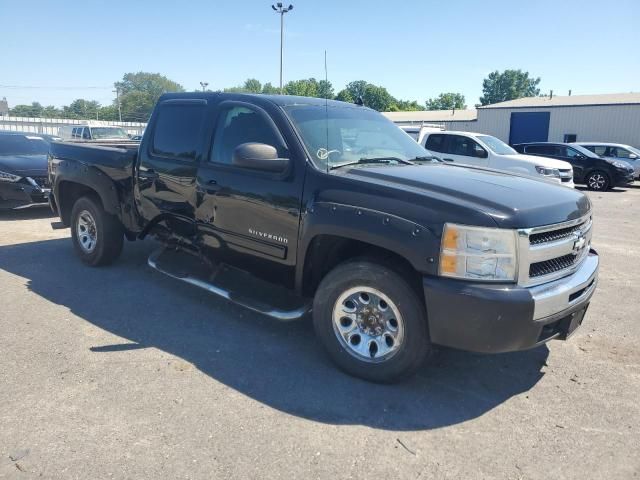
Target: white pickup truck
(482, 150)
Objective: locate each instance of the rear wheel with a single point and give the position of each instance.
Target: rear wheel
(371, 322)
(97, 236)
(598, 181)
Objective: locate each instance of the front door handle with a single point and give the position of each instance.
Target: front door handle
(448, 159)
(148, 174)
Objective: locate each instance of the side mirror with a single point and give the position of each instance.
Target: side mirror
(633, 156)
(482, 153)
(259, 156)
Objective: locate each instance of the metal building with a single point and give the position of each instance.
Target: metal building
(603, 118)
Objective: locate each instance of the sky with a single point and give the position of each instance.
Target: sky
(56, 51)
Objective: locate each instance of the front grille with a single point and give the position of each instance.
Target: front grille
(553, 251)
(43, 182)
(554, 235)
(551, 266)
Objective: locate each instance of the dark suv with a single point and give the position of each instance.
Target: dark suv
(588, 168)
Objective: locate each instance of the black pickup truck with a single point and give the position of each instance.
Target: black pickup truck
(290, 205)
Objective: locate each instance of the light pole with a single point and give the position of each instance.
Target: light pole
(204, 85)
(117, 92)
(278, 7)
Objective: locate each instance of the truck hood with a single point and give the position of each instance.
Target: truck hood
(542, 161)
(513, 201)
(24, 165)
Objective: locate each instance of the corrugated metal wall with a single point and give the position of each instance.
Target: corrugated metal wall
(603, 123)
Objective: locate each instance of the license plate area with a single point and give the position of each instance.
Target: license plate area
(573, 321)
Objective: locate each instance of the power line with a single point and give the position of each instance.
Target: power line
(55, 87)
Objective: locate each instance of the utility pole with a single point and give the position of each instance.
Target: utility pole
(117, 92)
(281, 10)
(204, 85)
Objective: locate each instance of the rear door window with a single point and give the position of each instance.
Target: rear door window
(177, 130)
(541, 150)
(436, 142)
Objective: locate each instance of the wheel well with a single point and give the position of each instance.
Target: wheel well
(327, 251)
(68, 194)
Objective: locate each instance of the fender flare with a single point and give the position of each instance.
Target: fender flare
(416, 243)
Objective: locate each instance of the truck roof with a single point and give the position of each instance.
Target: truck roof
(282, 100)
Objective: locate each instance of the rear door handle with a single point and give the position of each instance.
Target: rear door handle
(448, 159)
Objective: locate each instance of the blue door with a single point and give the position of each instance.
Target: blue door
(529, 127)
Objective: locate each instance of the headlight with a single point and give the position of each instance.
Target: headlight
(478, 253)
(624, 166)
(548, 172)
(9, 177)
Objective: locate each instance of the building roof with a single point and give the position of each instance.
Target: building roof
(433, 116)
(570, 100)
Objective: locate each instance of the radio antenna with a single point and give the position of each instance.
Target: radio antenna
(326, 105)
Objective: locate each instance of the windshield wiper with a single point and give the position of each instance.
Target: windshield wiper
(378, 160)
(426, 158)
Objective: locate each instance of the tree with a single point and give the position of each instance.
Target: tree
(373, 96)
(309, 87)
(139, 93)
(447, 101)
(252, 85)
(81, 108)
(33, 110)
(269, 89)
(405, 106)
(508, 85)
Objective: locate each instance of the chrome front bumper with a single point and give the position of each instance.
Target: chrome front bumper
(564, 294)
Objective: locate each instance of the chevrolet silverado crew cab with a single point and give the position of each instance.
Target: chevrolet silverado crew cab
(486, 151)
(289, 205)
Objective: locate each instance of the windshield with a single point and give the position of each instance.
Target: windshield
(496, 145)
(108, 132)
(23, 145)
(341, 135)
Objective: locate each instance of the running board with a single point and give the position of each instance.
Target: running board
(231, 283)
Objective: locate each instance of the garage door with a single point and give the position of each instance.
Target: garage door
(529, 127)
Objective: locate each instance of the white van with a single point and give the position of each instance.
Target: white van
(92, 132)
(482, 150)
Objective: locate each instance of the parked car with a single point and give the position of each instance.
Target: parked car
(486, 151)
(616, 151)
(260, 202)
(23, 170)
(588, 168)
(92, 132)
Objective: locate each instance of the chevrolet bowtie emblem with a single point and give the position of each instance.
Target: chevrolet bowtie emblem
(579, 243)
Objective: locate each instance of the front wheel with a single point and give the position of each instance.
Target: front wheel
(371, 322)
(598, 181)
(97, 236)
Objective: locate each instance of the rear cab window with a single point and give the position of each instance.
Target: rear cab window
(436, 142)
(177, 130)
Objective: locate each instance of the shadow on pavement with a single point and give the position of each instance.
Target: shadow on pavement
(33, 213)
(278, 364)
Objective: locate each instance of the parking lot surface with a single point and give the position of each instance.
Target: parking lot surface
(120, 372)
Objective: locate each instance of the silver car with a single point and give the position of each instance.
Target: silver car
(617, 151)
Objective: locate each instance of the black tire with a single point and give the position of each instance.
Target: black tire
(108, 233)
(598, 181)
(415, 346)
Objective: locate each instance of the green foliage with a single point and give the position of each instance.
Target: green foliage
(406, 106)
(33, 110)
(139, 92)
(373, 96)
(447, 101)
(508, 85)
(309, 87)
(269, 89)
